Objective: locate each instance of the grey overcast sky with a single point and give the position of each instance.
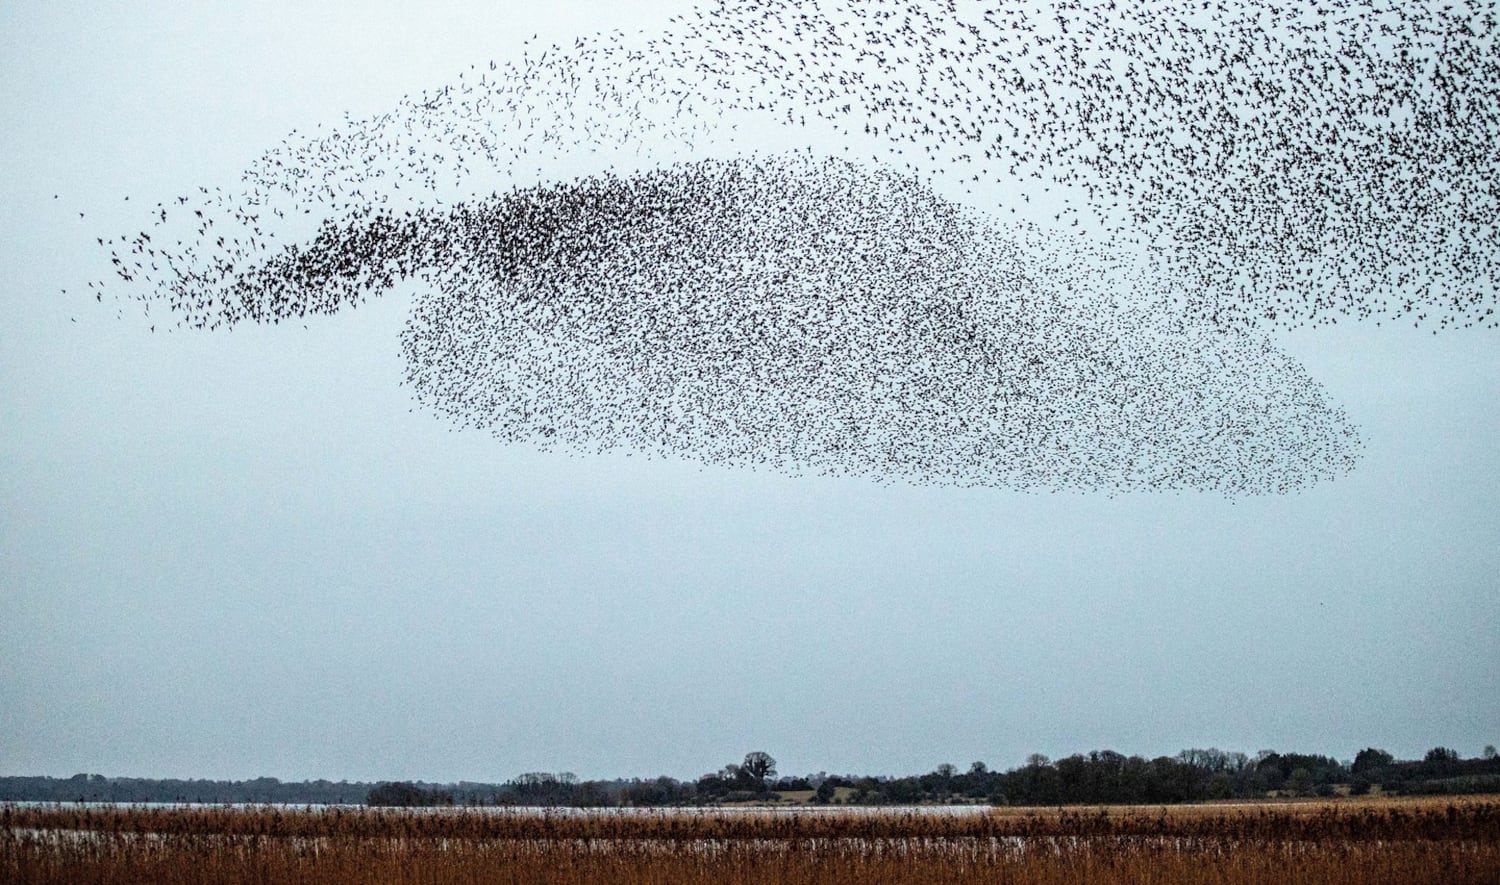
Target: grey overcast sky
(245, 553)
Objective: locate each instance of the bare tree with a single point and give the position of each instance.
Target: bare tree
(759, 766)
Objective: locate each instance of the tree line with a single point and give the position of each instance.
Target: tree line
(1099, 777)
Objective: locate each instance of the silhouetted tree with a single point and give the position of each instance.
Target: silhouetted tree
(1370, 758)
(1441, 755)
(758, 766)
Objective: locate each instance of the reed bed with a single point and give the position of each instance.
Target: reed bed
(1393, 841)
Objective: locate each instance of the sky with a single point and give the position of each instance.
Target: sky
(247, 553)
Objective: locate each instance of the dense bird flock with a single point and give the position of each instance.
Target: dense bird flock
(1031, 245)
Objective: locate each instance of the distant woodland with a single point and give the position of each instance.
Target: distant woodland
(1100, 777)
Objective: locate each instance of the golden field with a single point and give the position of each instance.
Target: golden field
(1437, 840)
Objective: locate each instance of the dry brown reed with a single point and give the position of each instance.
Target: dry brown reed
(1346, 843)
